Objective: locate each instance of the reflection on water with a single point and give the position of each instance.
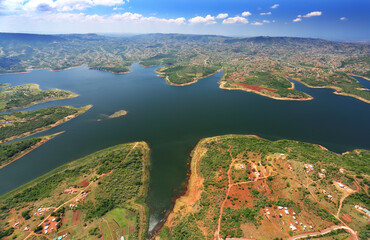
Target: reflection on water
(173, 119)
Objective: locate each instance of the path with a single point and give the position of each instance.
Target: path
(325, 231)
(83, 190)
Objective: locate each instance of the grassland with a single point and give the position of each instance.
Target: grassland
(248, 187)
(20, 124)
(100, 195)
(29, 94)
(13, 151)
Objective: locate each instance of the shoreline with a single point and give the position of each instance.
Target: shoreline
(59, 70)
(180, 201)
(222, 83)
(38, 130)
(160, 74)
(72, 95)
(336, 90)
(23, 153)
(359, 76)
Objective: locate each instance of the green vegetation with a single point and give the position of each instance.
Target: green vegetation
(11, 150)
(273, 60)
(187, 74)
(277, 86)
(117, 114)
(24, 123)
(120, 200)
(27, 95)
(281, 166)
(335, 234)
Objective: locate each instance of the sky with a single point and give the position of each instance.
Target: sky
(329, 19)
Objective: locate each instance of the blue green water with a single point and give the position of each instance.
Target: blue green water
(173, 119)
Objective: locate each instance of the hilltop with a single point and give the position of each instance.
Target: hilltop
(248, 187)
(262, 65)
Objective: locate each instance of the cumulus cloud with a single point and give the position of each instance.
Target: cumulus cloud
(275, 6)
(57, 5)
(265, 21)
(308, 15)
(266, 13)
(222, 15)
(257, 23)
(246, 14)
(206, 20)
(343, 18)
(313, 14)
(232, 20)
(126, 17)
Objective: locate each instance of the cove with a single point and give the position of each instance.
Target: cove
(173, 119)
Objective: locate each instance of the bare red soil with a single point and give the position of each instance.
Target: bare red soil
(242, 193)
(346, 217)
(84, 183)
(76, 217)
(255, 88)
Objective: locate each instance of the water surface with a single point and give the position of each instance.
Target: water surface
(173, 119)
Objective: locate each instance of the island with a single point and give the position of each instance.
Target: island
(24, 123)
(117, 114)
(13, 151)
(29, 94)
(248, 187)
(84, 199)
(262, 65)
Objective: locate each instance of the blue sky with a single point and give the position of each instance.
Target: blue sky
(330, 19)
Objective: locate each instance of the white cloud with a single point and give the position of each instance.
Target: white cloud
(207, 20)
(275, 6)
(297, 19)
(232, 20)
(56, 5)
(265, 21)
(343, 18)
(126, 17)
(312, 14)
(257, 23)
(266, 13)
(222, 15)
(246, 14)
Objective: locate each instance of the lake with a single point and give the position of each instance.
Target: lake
(173, 119)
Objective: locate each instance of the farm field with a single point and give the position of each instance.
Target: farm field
(248, 187)
(85, 199)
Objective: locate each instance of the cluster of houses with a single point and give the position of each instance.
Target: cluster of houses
(322, 173)
(50, 225)
(61, 237)
(329, 196)
(308, 167)
(291, 226)
(41, 211)
(70, 190)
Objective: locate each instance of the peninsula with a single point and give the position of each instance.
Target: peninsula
(249, 187)
(86, 199)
